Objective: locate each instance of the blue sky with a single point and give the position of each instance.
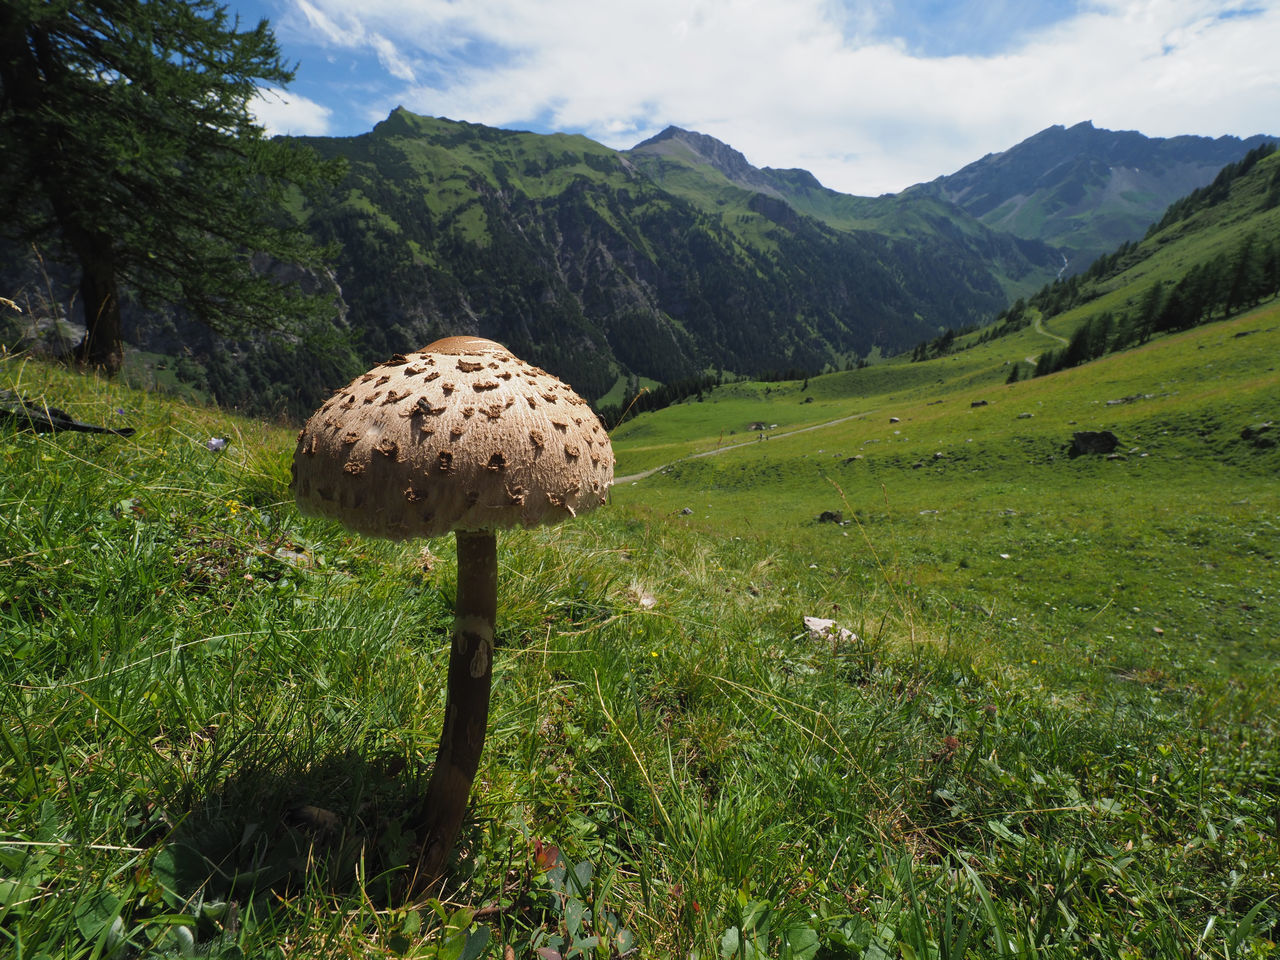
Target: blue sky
(869, 95)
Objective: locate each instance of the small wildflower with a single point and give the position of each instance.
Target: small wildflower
(216, 443)
(653, 653)
(233, 507)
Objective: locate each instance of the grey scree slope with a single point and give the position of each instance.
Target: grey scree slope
(460, 435)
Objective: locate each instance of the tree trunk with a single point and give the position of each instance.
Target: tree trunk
(466, 706)
(100, 298)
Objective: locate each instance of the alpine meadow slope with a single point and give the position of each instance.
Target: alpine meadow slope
(1042, 718)
(911, 681)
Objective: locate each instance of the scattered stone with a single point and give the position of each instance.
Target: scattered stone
(1092, 442)
(831, 516)
(938, 455)
(1130, 399)
(1261, 435)
(978, 403)
(894, 420)
(686, 512)
(820, 628)
(1025, 416)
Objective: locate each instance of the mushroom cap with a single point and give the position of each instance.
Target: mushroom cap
(460, 435)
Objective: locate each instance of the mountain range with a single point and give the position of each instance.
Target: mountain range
(1083, 190)
(678, 259)
(647, 262)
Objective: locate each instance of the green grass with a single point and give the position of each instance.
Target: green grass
(1051, 730)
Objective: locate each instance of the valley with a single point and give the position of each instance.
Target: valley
(1043, 712)
(878, 661)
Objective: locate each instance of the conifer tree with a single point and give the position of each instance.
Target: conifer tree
(127, 141)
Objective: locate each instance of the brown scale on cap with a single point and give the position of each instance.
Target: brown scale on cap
(494, 474)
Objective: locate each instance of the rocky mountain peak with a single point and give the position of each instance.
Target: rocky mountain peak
(702, 148)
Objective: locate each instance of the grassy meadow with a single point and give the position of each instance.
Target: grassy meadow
(1043, 722)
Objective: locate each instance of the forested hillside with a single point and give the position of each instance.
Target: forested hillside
(1213, 254)
(672, 263)
(581, 258)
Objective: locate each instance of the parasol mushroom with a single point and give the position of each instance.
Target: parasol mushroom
(459, 436)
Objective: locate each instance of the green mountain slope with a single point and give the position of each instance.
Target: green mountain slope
(1083, 189)
(1040, 719)
(1036, 712)
(583, 259)
(1214, 253)
(668, 263)
(714, 176)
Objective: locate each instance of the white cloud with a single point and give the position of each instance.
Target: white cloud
(281, 112)
(799, 82)
(343, 27)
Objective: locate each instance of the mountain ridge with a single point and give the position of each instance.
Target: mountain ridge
(1085, 189)
(674, 260)
(583, 259)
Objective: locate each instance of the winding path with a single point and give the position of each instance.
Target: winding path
(1039, 328)
(634, 477)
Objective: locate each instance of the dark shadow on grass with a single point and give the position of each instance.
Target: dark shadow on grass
(339, 827)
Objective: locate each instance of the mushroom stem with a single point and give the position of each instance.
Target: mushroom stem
(466, 705)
